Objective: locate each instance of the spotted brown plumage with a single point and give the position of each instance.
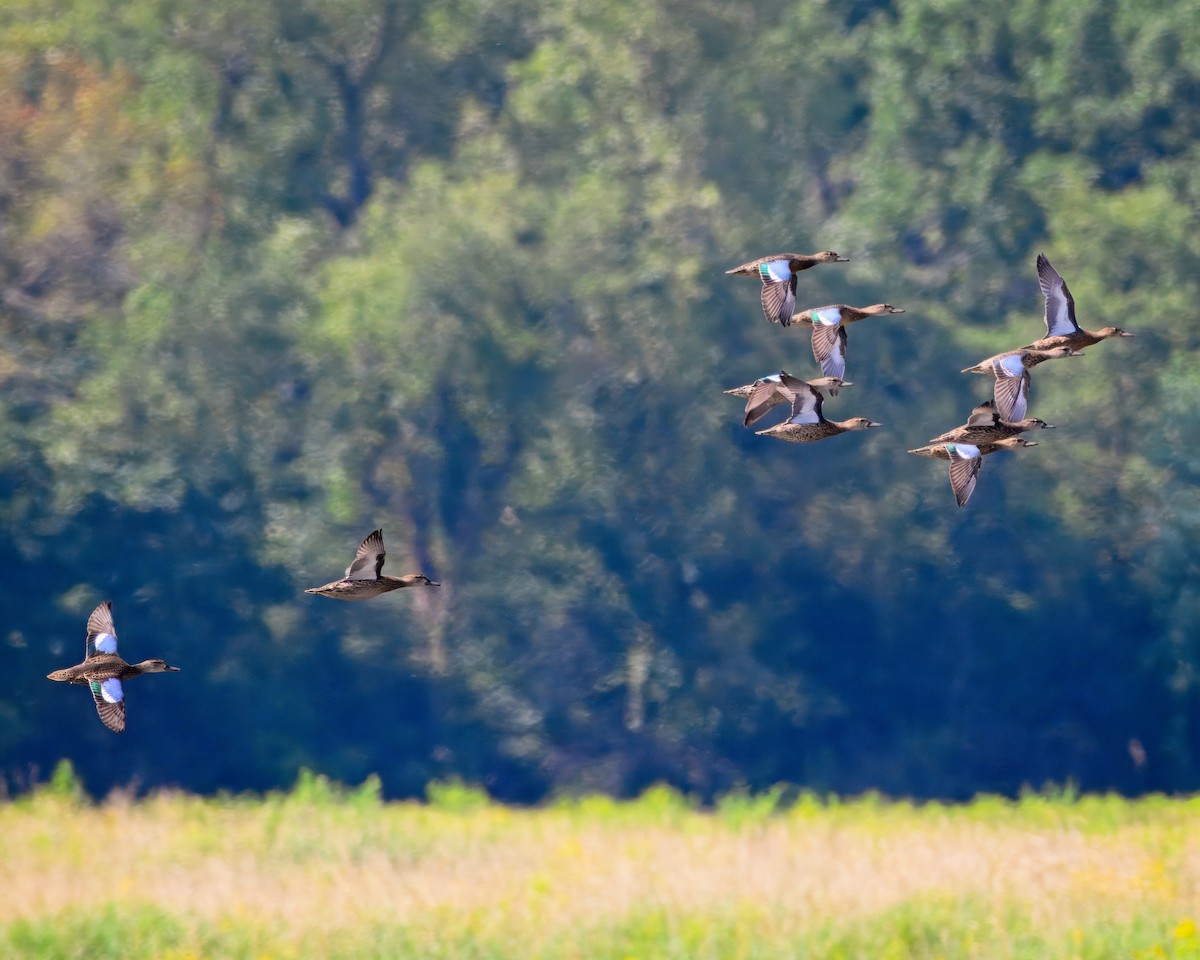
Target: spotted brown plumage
(807, 423)
(985, 425)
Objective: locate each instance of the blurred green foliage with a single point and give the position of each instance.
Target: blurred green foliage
(275, 274)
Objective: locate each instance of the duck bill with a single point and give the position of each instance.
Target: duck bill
(171, 669)
(896, 310)
(434, 583)
(842, 260)
(1126, 333)
(872, 423)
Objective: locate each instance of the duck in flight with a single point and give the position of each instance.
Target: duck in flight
(1062, 329)
(985, 425)
(807, 423)
(364, 578)
(764, 393)
(778, 275)
(1011, 370)
(829, 331)
(103, 669)
(966, 460)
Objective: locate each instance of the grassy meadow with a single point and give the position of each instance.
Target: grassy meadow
(324, 871)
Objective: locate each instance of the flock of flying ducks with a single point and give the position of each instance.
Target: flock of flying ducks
(994, 425)
(103, 669)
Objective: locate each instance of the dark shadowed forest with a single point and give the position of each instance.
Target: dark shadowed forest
(275, 274)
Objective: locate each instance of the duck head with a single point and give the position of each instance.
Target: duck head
(157, 666)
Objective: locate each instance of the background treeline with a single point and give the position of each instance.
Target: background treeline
(273, 274)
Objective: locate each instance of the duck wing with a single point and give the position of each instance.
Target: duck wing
(984, 415)
(778, 293)
(1011, 394)
(829, 349)
(368, 560)
(965, 461)
(110, 702)
(763, 398)
(101, 635)
(806, 405)
(1060, 305)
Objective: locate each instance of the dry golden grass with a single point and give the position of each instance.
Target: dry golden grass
(537, 875)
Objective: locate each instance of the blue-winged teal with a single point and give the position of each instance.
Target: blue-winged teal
(966, 460)
(1062, 329)
(103, 670)
(807, 423)
(763, 394)
(1011, 370)
(778, 275)
(986, 426)
(364, 579)
(829, 331)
